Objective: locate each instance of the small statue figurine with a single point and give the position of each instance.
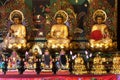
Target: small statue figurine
(98, 67)
(12, 62)
(62, 63)
(116, 64)
(30, 59)
(47, 60)
(79, 67)
(35, 53)
(63, 59)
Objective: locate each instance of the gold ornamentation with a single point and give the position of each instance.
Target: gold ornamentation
(98, 67)
(79, 67)
(16, 12)
(63, 13)
(116, 64)
(100, 12)
(36, 46)
(59, 32)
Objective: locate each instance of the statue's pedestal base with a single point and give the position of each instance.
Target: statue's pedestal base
(28, 71)
(117, 71)
(63, 72)
(78, 72)
(98, 72)
(46, 72)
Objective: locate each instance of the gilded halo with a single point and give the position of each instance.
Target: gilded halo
(100, 12)
(16, 12)
(36, 46)
(63, 13)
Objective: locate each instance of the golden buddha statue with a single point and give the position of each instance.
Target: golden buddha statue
(98, 67)
(116, 64)
(59, 33)
(79, 67)
(99, 36)
(17, 32)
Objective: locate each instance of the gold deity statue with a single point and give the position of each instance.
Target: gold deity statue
(99, 36)
(116, 64)
(98, 67)
(17, 32)
(79, 67)
(59, 32)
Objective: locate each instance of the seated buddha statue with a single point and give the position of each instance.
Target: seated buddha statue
(98, 67)
(79, 67)
(99, 36)
(58, 34)
(116, 64)
(17, 32)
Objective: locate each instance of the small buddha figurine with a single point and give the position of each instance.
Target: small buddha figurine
(63, 59)
(58, 34)
(12, 62)
(47, 60)
(35, 55)
(98, 67)
(116, 64)
(79, 67)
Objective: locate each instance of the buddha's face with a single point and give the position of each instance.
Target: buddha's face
(59, 20)
(99, 20)
(16, 20)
